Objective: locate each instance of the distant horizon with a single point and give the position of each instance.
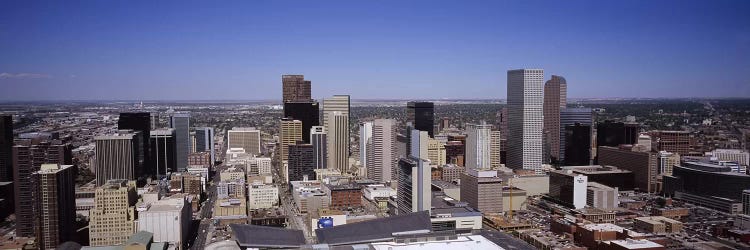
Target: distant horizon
(92, 50)
(368, 100)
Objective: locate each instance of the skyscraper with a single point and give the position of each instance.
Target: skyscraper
(525, 119)
(112, 220)
(204, 140)
(6, 148)
(180, 122)
(478, 146)
(28, 157)
(291, 133)
(414, 185)
(55, 204)
(577, 143)
(301, 162)
(570, 117)
(295, 88)
(163, 149)
(609, 133)
(307, 112)
(422, 116)
(365, 136)
(495, 148)
(318, 139)
(246, 138)
(338, 141)
(555, 98)
(381, 151)
(119, 156)
(140, 122)
(337, 103)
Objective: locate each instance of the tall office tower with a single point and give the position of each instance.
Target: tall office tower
(6, 148)
(478, 146)
(632, 130)
(118, 156)
(570, 117)
(338, 141)
(318, 140)
(307, 112)
(609, 133)
(163, 155)
(555, 98)
(418, 141)
(246, 138)
(192, 143)
(436, 152)
(290, 134)
(55, 204)
(444, 123)
(577, 142)
(381, 151)
(422, 116)
(502, 123)
(414, 185)
(28, 157)
(482, 190)
(667, 161)
(140, 122)
(495, 148)
(301, 162)
(112, 220)
(365, 136)
(155, 121)
(180, 122)
(295, 88)
(337, 103)
(204, 141)
(525, 119)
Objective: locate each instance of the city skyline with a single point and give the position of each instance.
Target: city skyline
(91, 51)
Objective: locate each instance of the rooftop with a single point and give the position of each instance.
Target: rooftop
(374, 230)
(252, 236)
(635, 244)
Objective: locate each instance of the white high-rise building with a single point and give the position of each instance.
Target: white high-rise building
(381, 151)
(336, 103)
(525, 119)
(338, 141)
(478, 146)
(365, 133)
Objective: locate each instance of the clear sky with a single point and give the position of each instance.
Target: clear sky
(214, 50)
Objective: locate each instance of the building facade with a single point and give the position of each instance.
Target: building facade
(482, 189)
(338, 141)
(246, 138)
(414, 186)
(119, 156)
(295, 88)
(478, 146)
(381, 149)
(301, 162)
(180, 122)
(204, 141)
(55, 204)
(555, 99)
(422, 116)
(318, 139)
(290, 134)
(113, 218)
(163, 151)
(525, 119)
(307, 112)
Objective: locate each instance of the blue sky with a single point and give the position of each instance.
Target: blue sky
(214, 50)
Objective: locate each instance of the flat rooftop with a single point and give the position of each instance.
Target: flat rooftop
(462, 242)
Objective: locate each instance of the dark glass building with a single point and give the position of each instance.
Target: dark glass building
(140, 121)
(6, 148)
(707, 180)
(577, 145)
(422, 116)
(301, 162)
(163, 149)
(631, 133)
(609, 133)
(306, 112)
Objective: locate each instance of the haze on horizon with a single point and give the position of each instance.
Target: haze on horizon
(94, 50)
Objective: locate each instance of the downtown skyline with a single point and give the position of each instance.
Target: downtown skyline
(383, 50)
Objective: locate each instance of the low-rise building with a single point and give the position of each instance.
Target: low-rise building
(262, 196)
(602, 197)
(309, 196)
(657, 225)
(168, 219)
